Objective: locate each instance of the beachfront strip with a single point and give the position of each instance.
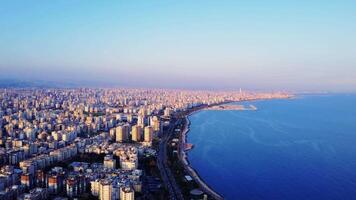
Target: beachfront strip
(99, 143)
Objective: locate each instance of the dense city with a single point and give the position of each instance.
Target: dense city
(97, 143)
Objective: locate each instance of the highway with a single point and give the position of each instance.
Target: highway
(166, 173)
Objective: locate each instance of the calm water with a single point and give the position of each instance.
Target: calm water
(299, 149)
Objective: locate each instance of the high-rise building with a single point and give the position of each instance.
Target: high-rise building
(141, 120)
(136, 133)
(167, 112)
(55, 180)
(55, 184)
(95, 187)
(122, 133)
(105, 190)
(40, 179)
(129, 118)
(30, 134)
(75, 185)
(112, 133)
(127, 193)
(27, 180)
(155, 123)
(72, 186)
(148, 134)
(109, 162)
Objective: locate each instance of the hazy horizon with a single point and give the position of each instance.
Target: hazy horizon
(274, 45)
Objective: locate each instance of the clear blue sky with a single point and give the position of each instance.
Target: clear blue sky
(292, 45)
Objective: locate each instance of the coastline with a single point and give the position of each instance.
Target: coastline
(182, 155)
(183, 158)
(191, 171)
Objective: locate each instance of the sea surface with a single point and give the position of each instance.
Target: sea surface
(290, 149)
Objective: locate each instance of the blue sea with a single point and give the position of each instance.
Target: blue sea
(290, 149)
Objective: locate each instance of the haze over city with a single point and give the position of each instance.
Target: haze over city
(262, 45)
(177, 100)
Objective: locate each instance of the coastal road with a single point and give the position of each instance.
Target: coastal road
(168, 179)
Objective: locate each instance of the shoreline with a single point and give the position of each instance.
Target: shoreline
(183, 157)
(184, 160)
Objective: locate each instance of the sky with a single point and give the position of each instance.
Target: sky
(304, 45)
